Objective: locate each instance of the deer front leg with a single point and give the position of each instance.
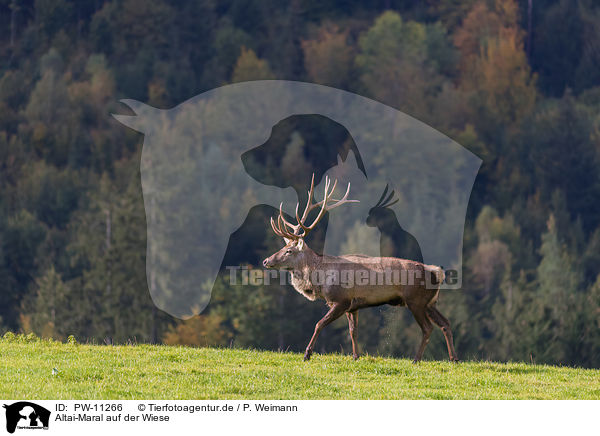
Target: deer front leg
(335, 311)
(352, 325)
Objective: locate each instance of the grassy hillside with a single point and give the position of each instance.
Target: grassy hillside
(162, 372)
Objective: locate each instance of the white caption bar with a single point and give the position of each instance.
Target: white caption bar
(77, 417)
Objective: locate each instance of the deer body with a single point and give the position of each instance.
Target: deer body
(360, 295)
(347, 284)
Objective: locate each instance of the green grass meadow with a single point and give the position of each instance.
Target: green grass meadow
(165, 372)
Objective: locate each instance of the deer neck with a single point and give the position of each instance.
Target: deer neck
(301, 275)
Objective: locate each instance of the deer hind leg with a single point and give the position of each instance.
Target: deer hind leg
(336, 310)
(439, 319)
(352, 325)
(426, 327)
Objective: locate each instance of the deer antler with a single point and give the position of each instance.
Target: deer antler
(287, 230)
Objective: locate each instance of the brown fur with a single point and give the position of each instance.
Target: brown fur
(297, 257)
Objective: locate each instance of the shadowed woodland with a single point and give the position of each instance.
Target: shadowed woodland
(516, 82)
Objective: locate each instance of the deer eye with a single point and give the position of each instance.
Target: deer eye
(288, 252)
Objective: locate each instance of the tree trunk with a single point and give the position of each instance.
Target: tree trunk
(14, 7)
(529, 27)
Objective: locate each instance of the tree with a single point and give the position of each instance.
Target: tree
(589, 338)
(395, 63)
(23, 236)
(495, 73)
(558, 46)
(485, 22)
(553, 313)
(47, 311)
(228, 44)
(587, 74)
(504, 81)
(202, 330)
(512, 339)
(107, 253)
(51, 16)
(328, 58)
(47, 114)
(561, 148)
(250, 67)
(450, 12)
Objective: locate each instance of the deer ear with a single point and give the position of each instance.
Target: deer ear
(300, 244)
(287, 241)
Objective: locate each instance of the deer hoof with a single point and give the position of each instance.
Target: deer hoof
(416, 361)
(355, 356)
(307, 355)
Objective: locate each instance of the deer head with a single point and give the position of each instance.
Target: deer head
(380, 213)
(295, 253)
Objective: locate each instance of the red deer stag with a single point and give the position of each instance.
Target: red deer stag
(351, 282)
